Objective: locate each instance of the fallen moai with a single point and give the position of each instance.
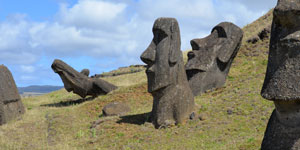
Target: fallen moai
(173, 100)
(282, 78)
(211, 58)
(11, 105)
(80, 83)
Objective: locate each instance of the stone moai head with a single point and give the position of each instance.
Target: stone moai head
(173, 100)
(11, 105)
(73, 81)
(163, 54)
(210, 60)
(282, 80)
(283, 71)
(80, 83)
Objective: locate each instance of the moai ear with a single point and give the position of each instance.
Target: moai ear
(227, 50)
(232, 36)
(175, 44)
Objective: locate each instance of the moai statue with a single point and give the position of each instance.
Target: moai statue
(282, 80)
(80, 83)
(211, 58)
(173, 100)
(11, 105)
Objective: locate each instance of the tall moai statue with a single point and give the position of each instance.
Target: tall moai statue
(11, 105)
(282, 80)
(173, 100)
(211, 58)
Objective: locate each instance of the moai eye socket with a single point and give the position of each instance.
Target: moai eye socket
(159, 35)
(191, 55)
(195, 45)
(221, 32)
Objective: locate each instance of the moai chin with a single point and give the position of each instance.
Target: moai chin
(211, 58)
(173, 100)
(80, 83)
(11, 105)
(282, 81)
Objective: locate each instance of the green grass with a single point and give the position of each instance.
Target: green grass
(61, 120)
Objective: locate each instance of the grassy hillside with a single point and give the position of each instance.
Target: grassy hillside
(232, 118)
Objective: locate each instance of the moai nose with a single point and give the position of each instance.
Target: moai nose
(148, 55)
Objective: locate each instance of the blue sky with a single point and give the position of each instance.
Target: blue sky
(102, 35)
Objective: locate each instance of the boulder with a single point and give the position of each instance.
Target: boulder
(115, 109)
(11, 105)
(264, 34)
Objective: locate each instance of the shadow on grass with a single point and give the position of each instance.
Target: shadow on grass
(138, 119)
(69, 102)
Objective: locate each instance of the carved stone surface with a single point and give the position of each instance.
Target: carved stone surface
(281, 83)
(85, 72)
(80, 83)
(11, 105)
(211, 58)
(173, 100)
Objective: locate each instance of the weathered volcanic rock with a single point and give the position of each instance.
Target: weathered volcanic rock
(11, 105)
(264, 34)
(85, 72)
(115, 109)
(253, 39)
(281, 83)
(173, 100)
(80, 83)
(211, 58)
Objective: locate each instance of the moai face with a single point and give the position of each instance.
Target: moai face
(59, 67)
(210, 60)
(281, 83)
(162, 54)
(284, 55)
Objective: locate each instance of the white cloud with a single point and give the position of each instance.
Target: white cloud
(90, 13)
(112, 33)
(27, 68)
